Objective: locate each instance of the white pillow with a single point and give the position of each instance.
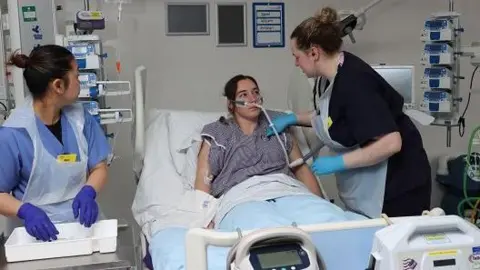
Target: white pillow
(160, 187)
(184, 129)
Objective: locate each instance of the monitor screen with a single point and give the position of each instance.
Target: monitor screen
(279, 259)
(401, 78)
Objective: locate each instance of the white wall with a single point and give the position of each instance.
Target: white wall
(189, 72)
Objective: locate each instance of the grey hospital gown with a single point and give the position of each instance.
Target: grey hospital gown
(234, 157)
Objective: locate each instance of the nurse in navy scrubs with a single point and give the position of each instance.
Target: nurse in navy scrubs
(378, 156)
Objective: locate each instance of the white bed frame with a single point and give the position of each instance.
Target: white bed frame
(198, 239)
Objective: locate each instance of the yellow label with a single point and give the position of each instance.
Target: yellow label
(67, 158)
(96, 14)
(329, 122)
(432, 237)
(443, 252)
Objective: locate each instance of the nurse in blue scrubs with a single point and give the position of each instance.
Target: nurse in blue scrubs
(53, 152)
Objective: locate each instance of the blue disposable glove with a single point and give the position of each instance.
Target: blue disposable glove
(281, 123)
(37, 223)
(328, 165)
(85, 206)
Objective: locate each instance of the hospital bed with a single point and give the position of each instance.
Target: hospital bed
(164, 167)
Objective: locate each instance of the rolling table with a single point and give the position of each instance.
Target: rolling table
(127, 256)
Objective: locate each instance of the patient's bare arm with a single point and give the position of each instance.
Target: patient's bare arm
(303, 172)
(203, 172)
(203, 169)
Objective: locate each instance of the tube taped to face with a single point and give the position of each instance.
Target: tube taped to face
(243, 103)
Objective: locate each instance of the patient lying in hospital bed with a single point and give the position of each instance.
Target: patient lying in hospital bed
(250, 173)
(249, 180)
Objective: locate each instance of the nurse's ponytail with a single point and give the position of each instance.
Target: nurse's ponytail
(43, 65)
(321, 30)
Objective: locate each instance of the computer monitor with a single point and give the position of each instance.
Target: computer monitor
(402, 78)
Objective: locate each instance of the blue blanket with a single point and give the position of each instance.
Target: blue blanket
(167, 247)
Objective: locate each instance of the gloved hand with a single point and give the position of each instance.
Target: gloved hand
(37, 223)
(85, 206)
(281, 123)
(328, 165)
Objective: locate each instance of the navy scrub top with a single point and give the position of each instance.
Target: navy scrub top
(364, 106)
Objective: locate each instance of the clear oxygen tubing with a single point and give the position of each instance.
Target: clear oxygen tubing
(295, 163)
(245, 104)
(304, 159)
(118, 63)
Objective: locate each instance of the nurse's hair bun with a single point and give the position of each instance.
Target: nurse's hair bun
(326, 15)
(19, 60)
(321, 30)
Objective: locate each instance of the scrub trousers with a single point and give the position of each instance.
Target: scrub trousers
(283, 211)
(411, 203)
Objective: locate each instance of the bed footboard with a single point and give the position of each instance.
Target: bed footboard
(197, 240)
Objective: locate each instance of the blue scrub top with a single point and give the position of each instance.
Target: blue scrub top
(16, 148)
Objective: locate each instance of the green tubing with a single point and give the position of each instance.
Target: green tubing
(465, 175)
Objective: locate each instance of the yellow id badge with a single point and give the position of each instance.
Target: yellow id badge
(329, 122)
(67, 158)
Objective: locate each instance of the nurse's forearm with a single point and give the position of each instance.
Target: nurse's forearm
(98, 177)
(374, 153)
(9, 205)
(304, 119)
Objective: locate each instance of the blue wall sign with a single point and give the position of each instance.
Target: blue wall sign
(268, 25)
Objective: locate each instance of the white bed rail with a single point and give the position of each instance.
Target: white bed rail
(138, 128)
(198, 240)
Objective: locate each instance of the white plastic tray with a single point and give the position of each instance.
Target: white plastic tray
(73, 240)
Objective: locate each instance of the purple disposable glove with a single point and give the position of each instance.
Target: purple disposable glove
(85, 206)
(37, 223)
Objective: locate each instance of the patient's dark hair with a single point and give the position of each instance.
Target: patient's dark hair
(230, 90)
